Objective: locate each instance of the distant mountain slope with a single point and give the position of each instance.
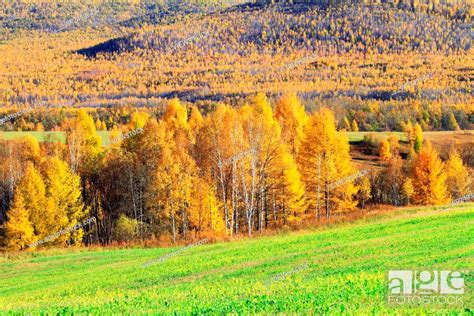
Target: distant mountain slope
(60, 16)
(354, 28)
(361, 53)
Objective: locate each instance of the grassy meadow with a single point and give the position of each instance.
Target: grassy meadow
(48, 136)
(434, 136)
(340, 269)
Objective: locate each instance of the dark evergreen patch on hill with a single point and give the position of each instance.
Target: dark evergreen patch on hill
(353, 28)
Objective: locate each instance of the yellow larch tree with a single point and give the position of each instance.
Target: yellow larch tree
(429, 178)
(418, 141)
(138, 119)
(195, 122)
(408, 189)
(64, 189)
(354, 126)
(394, 142)
(176, 115)
(346, 125)
(365, 189)
(83, 142)
(172, 182)
(18, 228)
(41, 209)
(458, 180)
(98, 124)
(453, 123)
(30, 149)
(409, 132)
(204, 213)
(176, 122)
(195, 118)
(385, 151)
(286, 192)
(326, 166)
(292, 117)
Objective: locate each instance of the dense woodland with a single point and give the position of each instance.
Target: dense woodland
(233, 117)
(368, 116)
(236, 171)
(363, 55)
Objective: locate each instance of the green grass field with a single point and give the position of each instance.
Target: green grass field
(434, 137)
(346, 272)
(43, 136)
(359, 136)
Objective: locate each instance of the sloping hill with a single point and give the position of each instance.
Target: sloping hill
(53, 16)
(357, 51)
(341, 269)
(246, 29)
(349, 54)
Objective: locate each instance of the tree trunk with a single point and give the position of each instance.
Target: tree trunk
(318, 207)
(224, 196)
(274, 210)
(185, 227)
(233, 199)
(173, 224)
(249, 224)
(326, 198)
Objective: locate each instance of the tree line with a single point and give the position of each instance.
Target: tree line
(235, 171)
(352, 114)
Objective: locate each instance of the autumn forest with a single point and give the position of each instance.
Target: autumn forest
(236, 157)
(232, 172)
(168, 123)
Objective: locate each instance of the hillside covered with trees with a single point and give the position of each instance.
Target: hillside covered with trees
(358, 56)
(226, 118)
